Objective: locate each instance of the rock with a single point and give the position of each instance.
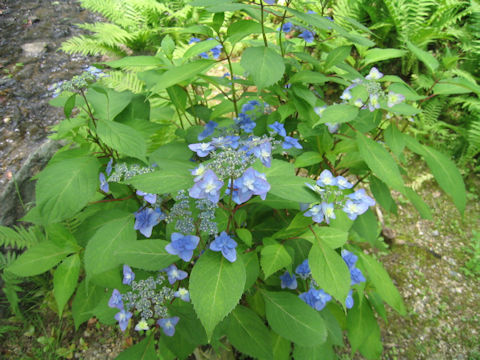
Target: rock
(435, 233)
(34, 49)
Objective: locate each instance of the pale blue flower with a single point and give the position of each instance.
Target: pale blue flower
(317, 299)
(328, 211)
(168, 325)
(123, 317)
(103, 183)
(183, 294)
(150, 198)
(354, 209)
(208, 130)
(307, 35)
(343, 183)
(319, 110)
(288, 281)
(108, 170)
(349, 258)
(394, 99)
(360, 196)
(316, 213)
(332, 128)
(303, 270)
(290, 142)
(373, 102)
(374, 74)
(146, 219)
(349, 300)
(250, 183)
(128, 275)
(264, 153)
(208, 187)
(356, 276)
(278, 128)
(175, 274)
(226, 245)
(182, 245)
(326, 178)
(116, 300)
(287, 27)
(346, 95)
(142, 325)
(202, 149)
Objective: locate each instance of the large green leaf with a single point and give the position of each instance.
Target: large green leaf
(200, 47)
(319, 352)
(144, 350)
(308, 158)
(375, 55)
(182, 73)
(337, 55)
(107, 103)
(281, 347)
(380, 162)
(424, 56)
(330, 236)
(101, 247)
(85, 301)
(337, 114)
(164, 181)
(123, 138)
(216, 286)
(65, 280)
(329, 271)
(243, 28)
(40, 258)
(65, 187)
(382, 282)
(381, 192)
(293, 319)
(247, 332)
(274, 257)
(265, 65)
(145, 254)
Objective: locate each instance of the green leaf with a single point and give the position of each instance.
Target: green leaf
(101, 247)
(247, 332)
(319, 352)
(274, 258)
(69, 105)
(308, 158)
(65, 280)
(381, 192)
(281, 347)
(168, 45)
(264, 65)
(419, 204)
(337, 55)
(332, 237)
(216, 286)
(244, 235)
(145, 254)
(444, 170)
(40, 258)
(380, 162)
(164, 181)
(137, 61)
(424, 56)
(363, 330)
(182, 73)
(144, 350)
(383, 283)
(375, 55)
(293, 319)
(455, 86)
(338, 114)
(107, 103)
(85, 301)
(366, 225)
(394, 139)
(252, 268)
(76, 182)
(243, 28)
(329, 271)
(200, 47)
(310, 77)
(123, 138)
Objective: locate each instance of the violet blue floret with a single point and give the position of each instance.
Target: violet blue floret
(108, 170)
(349, 258)
(374, 74)
(123, 317)
(328, 211)
(264, 153)
(208, 130)
(303, 270)
(278, 128)
(182, 245)
(373, 102)
(202, 149)
(226, 245)
(116, 300)
(354, 209)
(316, 213)
(146, 219)
(103, 183)
(128, 275)
(356, 276)
(317, 299)
(360, 196)
(250, 183)
(142, 325)
(343, 183)
(287, 27)
(208, 187)
(174, 274)
(326, 178)
(394, 99)
(288, 281)
(349, 300)
(150, 198)
(307, 35)
(183, 294)
(168, 325)
(290, 142)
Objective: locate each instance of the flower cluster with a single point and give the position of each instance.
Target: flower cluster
(147, 299)
(89, 75)
(330, 189)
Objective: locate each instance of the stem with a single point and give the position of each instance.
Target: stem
(90, 113)
(112, 200)
(230, 67)
(263, 27)
(280, 44)
(362, 178)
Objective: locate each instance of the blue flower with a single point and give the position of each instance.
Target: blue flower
(356, 276)
(319, 110)
(145, 220)
(270, 2)
(326, 178)
(354, 209)
(394, 99)
(174, 274)
(245, 122)
(264, 153)
(226, 141)
(374, 74)
(250, 183)
(202, 149)
(142, 325)
(343, 183)
(103, 183)
(128, 275)
(349, 300)
(290, 142)
(317, 299)
(328, 211)
(278, 128)
(168, 325)
(194, 40)
(288, 281)
(332, 128)
(349, 258)
(303, 270)
(108, 170)
(123, 317)
(116, 300)
(373, 102)
(226, 245)
(198, 172)
(209, 129)
(307, 35)
(316, 213)
(287, 27)
(150, 198)
(360, 196)
(183, 294)
(216, 51)
(208, 187)
(182, 245)
(346, 95)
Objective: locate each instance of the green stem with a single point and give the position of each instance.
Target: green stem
(230, 67)
(263, 26)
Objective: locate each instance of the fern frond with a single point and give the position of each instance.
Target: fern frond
(19, 237)
(474, 133)
(87, 45)
(108, 34)
(121, 81)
